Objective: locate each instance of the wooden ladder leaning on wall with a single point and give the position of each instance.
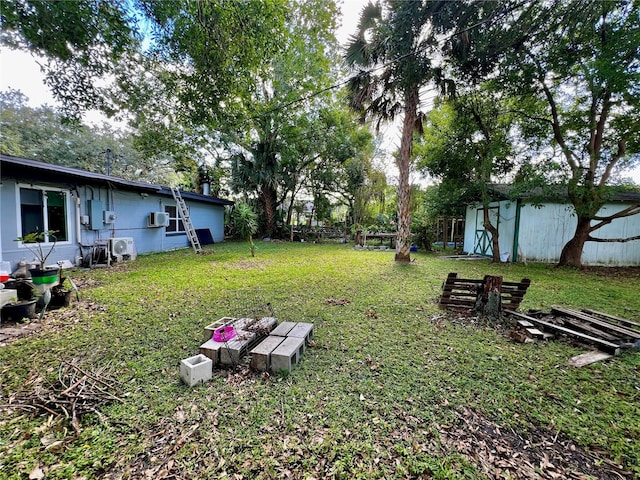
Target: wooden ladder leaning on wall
(183, 212)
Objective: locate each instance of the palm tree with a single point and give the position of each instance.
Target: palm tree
(389, 55)
(246, 223)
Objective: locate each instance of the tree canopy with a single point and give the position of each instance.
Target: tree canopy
(249, 90)
(40, 134)
(577, 64)
(390, 59)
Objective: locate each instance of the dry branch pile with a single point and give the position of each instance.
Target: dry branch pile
(76, 392)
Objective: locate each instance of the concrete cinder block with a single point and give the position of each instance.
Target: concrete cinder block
(233, 350)
(242, 322)
(196, 369)
(264, 324)
(283, 329)
(261, 354)
(302, 330)
(211, 350)
(287, 354)
(209, 329)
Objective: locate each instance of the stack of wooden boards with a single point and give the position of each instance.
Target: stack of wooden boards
(606, 332)
(271, 346)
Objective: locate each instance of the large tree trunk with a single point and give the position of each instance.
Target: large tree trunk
(495, 235)
(403, 242)
(269, 196)
(571, 255)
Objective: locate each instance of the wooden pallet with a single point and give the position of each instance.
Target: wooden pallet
(463, 293)
(604, 345)
(597, 326)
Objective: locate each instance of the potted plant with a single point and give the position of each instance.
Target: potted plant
(18, 311)
(61, 294)
(34, 243)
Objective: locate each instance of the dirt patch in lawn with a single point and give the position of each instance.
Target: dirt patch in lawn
(52, 320)
(249, 264)
(502, 453)
(614, 272)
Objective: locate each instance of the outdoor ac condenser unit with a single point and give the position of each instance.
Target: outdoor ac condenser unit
(158, 219)
(121, 246)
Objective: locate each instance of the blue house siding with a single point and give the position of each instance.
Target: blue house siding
(87, 197)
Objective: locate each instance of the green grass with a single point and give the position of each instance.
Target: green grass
(387, 368)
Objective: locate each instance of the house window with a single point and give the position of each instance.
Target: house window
(175, 223)
(44, 210)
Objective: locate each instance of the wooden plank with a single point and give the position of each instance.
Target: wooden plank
(574, 322)
(469, 281)
(606, 316)
(587, 318)
(602, 344)
(535, 333)
(454, 302)
(463, 295)
(588, 358)
(525, 323)
(463, 292)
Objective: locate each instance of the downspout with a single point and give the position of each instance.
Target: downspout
(76, 201)
(516, 233)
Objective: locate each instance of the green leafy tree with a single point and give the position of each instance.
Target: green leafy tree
(82, 41)
(466, 143)
(297, 131)
(42, 134)
(116, 55)
(579, 59)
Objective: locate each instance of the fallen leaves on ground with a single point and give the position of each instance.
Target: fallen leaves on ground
(503, 453)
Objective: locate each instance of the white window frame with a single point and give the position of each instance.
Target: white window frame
(180, 230)
(44, 189)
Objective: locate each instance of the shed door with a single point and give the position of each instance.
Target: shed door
(483, 241)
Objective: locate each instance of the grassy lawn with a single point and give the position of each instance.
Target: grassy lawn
(393, 387)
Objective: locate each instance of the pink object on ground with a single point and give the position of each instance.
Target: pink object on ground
(223, 334)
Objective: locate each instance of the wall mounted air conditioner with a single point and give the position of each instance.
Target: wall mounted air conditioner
(119, 247)
(158, 219)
